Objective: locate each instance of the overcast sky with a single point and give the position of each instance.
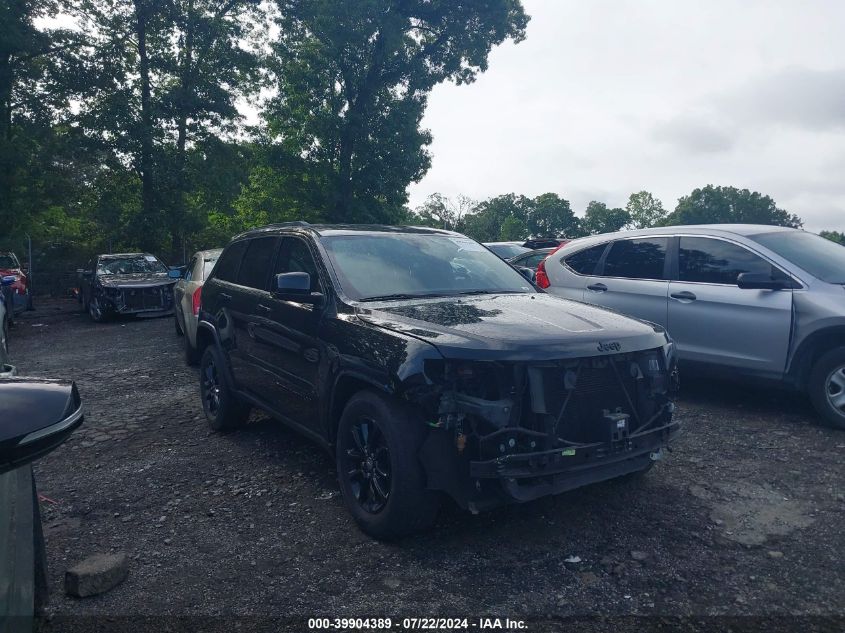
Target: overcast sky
(607, 97)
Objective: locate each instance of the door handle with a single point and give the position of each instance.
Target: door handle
(597, 287)
(683, 296)
(263, 308)
(225, 296)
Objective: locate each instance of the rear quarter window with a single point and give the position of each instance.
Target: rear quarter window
(585, 262)
(230, 261)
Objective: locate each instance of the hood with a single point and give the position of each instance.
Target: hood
(515, 327)
(136, 280)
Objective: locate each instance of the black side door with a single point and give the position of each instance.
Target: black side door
(287, 341)
(221, 297)
(249, 313)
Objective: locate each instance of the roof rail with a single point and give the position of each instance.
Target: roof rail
(293, 223)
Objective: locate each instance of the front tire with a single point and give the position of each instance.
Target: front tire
(827, 388)
(177, 325)
(223, 410)
(96, 311)
(381, 477)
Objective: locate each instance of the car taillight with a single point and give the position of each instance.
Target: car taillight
(542, 279)
(195, 300)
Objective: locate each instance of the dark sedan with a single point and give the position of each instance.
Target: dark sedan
(126, 283)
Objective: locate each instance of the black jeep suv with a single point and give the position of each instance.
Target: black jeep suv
(426, 364)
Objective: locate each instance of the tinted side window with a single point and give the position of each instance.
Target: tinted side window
(296, 257)
(712, 261)
(584, 262)
(257, 262)
(230, 261)
(637, 259)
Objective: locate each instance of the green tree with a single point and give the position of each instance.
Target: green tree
(488, 219)
(353, 80)
(551, 216)
(39, 74)
(644, 211)
(441, 212)
(834, 236)
(169, 73)
(729, 205)
(598, 218)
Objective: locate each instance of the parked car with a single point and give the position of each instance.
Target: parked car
(186, 297)
(507, 250)
(37, 416)
(427, 365)
(527, 262)
(531, 259)
(758, 301)
(126, 283)
(545, 242)
(18, 291)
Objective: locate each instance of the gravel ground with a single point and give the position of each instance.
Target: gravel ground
(744, 517)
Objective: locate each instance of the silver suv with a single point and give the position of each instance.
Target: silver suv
(761, 301)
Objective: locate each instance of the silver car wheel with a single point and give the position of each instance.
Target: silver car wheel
(835, 389)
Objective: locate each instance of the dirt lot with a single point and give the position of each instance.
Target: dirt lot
(744, 517)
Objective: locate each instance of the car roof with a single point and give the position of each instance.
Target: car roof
(122, 255)
(695, 229)
(210, 252)
(343, 229)
(503, 244)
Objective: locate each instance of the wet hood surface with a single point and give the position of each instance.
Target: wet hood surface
(136, 280)
(514, 326)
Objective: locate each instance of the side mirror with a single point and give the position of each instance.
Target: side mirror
(529, 273)
(174, 273)
(760, 281)
(8, 280)
(296, 287)
(37, 416)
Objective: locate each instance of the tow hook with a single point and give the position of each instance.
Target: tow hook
(656, 455)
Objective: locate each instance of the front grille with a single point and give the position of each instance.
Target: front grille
(143, 298)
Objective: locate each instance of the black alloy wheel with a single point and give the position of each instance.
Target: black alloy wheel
(368, 465)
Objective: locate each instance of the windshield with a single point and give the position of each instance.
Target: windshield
(820, 257)
(130, 265)
(404, 265)
(8, 261)
(506, 251)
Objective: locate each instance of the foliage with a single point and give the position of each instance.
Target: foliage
(644, 211)
(598, 218)
(729, 205)
(440, 212)
(353, 80)
(834, 236)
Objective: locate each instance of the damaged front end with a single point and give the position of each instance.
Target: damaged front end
(516, 431)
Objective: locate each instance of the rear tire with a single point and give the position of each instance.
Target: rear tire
(223, 410)
(826, 388)
(381, 477)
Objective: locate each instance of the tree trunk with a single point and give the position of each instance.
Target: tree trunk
(357, 118)
(184, 107)
(145, 164)
(6, 81)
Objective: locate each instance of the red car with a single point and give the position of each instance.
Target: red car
(18, 298)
